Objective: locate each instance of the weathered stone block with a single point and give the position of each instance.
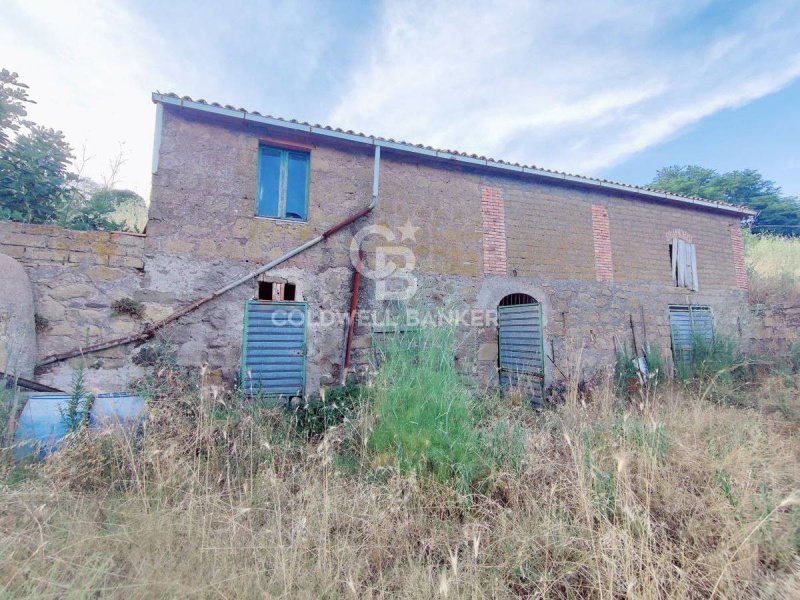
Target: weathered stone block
(177, 246)
(362, 341)
(126, 261)
(77, 331)
(45, 254)
(50, 309)
(487, 352)
(75, 290)
(87, 258)
(12, 251)
(24, 239)
(128, 239)
(102, 273)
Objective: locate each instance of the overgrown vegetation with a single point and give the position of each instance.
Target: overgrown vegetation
(400, 490)
(329, 408)
(128, 306)
(37, 180)
(75, 413)
(425, 418)
(773, 264)
(777, 212)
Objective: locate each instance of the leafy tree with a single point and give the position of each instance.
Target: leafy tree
(13, 97)
(36, 183)
(778, 213)
(96, 208)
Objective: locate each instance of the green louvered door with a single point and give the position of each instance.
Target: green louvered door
(521, 354)
(688, 325)
(274, 349)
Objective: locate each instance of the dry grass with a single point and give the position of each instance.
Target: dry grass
(679, 499)
(774, 267)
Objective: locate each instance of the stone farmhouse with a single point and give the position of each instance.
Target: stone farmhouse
(257, 224)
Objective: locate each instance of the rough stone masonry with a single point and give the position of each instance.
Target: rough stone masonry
(590, 256)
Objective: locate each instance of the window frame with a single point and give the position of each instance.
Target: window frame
(686, 270)
(285, 148)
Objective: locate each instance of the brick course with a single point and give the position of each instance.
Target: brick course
(603, 262)
(494, 231)
(737, 249)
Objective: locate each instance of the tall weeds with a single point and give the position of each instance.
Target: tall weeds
(773, 264)
(425, 418)
(677, 498)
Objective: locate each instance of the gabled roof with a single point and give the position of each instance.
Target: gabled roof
(448, 155)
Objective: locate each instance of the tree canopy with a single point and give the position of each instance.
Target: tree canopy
(778, 213)
(36, 183)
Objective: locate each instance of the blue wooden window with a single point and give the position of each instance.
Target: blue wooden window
(282, 183)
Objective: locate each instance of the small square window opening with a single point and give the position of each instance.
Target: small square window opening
(265, 290)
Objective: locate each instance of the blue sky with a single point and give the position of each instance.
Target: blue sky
(612, 88)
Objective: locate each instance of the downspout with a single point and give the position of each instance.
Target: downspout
(150, 331)
(351, 317)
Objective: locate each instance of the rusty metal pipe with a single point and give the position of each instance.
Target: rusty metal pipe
(351, 324)
(150, 331)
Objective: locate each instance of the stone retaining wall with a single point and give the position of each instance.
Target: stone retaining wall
(76, 276)
(775, 328)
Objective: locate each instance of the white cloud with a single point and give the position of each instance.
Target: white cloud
(572, 85)
(577, 86)
(88, 67)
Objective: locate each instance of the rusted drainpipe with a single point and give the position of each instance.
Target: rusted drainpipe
(351, 322)
(150, 331)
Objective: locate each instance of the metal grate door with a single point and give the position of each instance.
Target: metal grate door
(687, 323)
(521, 356)
(274, 349)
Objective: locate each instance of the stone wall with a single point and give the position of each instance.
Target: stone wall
(775, 328)
(203, 233)
(76, 276)
(592, 258)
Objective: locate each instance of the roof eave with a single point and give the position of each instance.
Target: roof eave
(244, 115)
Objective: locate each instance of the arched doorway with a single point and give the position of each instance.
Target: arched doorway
(520, 340)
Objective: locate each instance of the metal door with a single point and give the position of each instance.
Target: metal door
(521, 355)
(274, 349)
(687, 323)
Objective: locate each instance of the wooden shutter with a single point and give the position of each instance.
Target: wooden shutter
(684, 265)
(694, 283)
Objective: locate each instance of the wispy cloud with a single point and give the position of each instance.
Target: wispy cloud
(88, 68)
(578, 86)
(92, 65)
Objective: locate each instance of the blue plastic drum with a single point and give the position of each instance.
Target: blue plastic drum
(41, 425)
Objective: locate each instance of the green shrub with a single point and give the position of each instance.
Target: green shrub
(79, 404)
(426, 420)
(625, 374)
(719, 367)
(128, 306)
(329, 408)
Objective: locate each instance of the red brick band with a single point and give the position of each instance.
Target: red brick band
(739, 265)
(494, 231)
(603, 264)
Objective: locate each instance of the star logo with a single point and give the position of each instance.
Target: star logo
(409, 232)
